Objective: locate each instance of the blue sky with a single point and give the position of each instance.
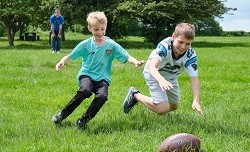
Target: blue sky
(240, 20)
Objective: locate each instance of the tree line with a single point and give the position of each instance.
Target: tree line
(152, 19)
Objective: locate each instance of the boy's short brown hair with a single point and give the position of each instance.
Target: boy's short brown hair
(186, 29)
(96, 18)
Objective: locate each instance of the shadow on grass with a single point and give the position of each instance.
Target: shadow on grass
(127, 44)
(69, 45)
(38, 45)
(135, 44)
(203, 44)
(65, 124)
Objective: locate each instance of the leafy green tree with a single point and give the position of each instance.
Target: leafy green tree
(208, 27)
(159, 17)
(75, 12)
(15, 15)
(154, 19)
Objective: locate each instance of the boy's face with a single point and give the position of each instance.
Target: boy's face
(98, 31)
(57, 13)
(181, 44)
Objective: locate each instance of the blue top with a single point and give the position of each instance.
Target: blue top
(97, 60)
(56, 21)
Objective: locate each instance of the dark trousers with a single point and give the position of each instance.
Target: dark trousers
(87, 87)
(56, 42)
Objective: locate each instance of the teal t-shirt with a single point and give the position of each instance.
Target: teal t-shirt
(97, 60)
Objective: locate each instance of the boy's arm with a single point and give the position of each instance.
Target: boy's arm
(61, 26)
(164, 84)
(60, 29)
(135, 61)
(62, 62)
(196, 93)
(52, 29)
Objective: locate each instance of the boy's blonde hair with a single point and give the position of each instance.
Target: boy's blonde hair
(186, 29)
(97, 17)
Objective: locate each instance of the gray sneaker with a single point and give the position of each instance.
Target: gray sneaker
(57, 118)
(130, 101)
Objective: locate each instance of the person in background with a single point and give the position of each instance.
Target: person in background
(56, 23)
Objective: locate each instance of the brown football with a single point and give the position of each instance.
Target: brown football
(182, 142)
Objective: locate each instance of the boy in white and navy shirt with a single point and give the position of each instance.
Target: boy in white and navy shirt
(171, 57)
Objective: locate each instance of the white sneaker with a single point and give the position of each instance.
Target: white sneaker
(53, 51)
(57, 118)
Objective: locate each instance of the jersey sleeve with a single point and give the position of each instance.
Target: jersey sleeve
(51, 19)
(61, 20)
(191, 63)
(77, 51)
(120, 53)
(161, 49)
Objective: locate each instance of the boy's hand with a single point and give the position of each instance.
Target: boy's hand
(59, 66)
(135, 61)
(139, 63)
(196, 106)
(165, 85)
(62, 62)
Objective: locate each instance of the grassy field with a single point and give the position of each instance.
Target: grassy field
(32, 92)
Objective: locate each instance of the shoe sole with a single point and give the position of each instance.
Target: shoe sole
(129, 92)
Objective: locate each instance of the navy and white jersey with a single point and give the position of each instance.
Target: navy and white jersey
(170, 68)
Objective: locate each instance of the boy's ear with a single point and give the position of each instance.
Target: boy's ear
(89, 28)
(173, 36)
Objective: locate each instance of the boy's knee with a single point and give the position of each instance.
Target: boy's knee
(102, 97)
(162, 111)
(166, 109)
(85, 92)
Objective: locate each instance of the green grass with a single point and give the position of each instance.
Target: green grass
(32, 92)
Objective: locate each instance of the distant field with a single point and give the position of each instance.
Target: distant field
(32, 92)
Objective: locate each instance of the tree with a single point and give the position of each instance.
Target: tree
(159, 17)
(155, 18)
(208, 27)
(75, 12)
(16, 15)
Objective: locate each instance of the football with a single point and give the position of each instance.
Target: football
(182, 142)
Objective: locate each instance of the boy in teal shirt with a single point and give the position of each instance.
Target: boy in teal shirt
(97, 53)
